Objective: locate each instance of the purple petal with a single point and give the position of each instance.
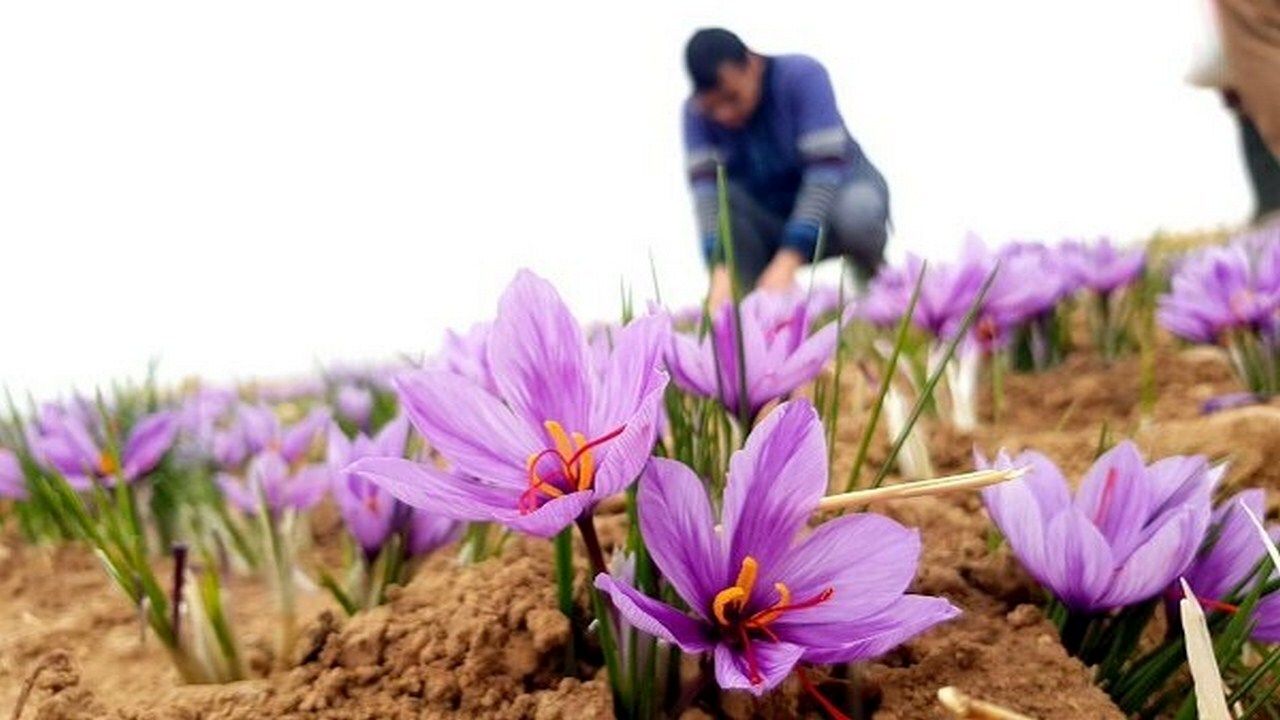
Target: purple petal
(692, 366)
(338, 449)
(1231, 550)
(804, 364)
(1157, 562)
(298, 439)
(1116, 496)
(471, 428)
(538, 356)
(150, 440)
(1045, 482)
(1183, 480)
(1082, 572)
(428, 488)
(1266, 617)
(774, 484)
(679, 529)
(393, 437)
(259, 425)
(866, 560)
(773, 660)
(624, 456)
(429, 531)
(13, 483)
(876, 635)
(655, 618)
(633, 369)
(235, 492)
(551, 517)
(306, 488)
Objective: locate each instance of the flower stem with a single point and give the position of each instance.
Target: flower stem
(587, 526)
(564, 594)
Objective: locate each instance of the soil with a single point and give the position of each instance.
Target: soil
(486, 640)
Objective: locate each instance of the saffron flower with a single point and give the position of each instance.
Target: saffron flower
(1012, 300)
(1130, 530)
(1219, 290)
(354, 404)
(13, 483)
(763, 599)
(371, 514)
(948, 291)
(1230, 556)
(283, 487)
(1101, 266)
(63, 442)
(779, 352)
(560, 436)
(257, 429)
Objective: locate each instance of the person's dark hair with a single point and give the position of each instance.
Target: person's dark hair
(707, 50)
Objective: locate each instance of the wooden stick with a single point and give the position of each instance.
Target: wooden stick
(963, 706)
(919, 488)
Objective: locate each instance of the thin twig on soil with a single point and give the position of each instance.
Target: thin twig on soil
(919, 488)
(963, 706)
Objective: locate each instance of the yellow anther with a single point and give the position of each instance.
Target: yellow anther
(724, 598)
(586, 463)
(107, 464)
(560, 437)
(738, 593)
(747, 574)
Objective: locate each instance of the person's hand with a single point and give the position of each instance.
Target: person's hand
(780, 275)
(721, 290)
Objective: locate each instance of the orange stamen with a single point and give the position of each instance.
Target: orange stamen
(577, 465)
(107, 464)
(729, 604)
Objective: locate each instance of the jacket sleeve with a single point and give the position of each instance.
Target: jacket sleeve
(701, 159)
(826, 150)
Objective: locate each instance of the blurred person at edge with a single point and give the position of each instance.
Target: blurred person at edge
(791, 166)
(1218, 68)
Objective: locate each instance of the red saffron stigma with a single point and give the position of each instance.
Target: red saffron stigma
(1218, 605)
(571, 473)
(753, 668)
(818, 697)
(1108, 489)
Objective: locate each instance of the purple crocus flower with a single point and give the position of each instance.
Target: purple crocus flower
(13, 484)
(367, 509)
(1130, 530)
(371, 513)
(1229, 401)
(284, 487)
(1229, 557)
(429, 531)
(1101, 266)
(1218, 290)
(761, 599)
(780, 353)
(563, 436)
(354, 404)
(258, 429)
(1013, 300)
(64, 443)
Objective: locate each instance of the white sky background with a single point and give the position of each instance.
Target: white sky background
(247, 187)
